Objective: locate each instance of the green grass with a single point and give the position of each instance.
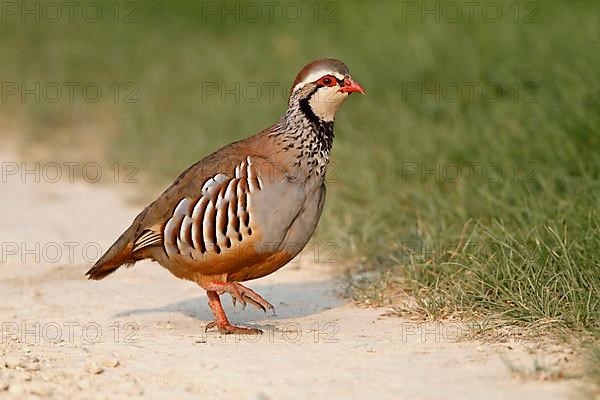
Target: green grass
(520, 249)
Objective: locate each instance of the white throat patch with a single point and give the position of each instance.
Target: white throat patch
(327, 100)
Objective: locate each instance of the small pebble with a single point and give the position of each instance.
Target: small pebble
(83, 385)
(33, 365)
(3, 385)
(111, 363)
(93, 368)
(12, 362)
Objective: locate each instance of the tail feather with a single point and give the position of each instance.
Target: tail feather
(117, 255)
(101, 271)
(120, 253)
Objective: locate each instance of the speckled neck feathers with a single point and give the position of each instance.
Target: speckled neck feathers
(306, 138)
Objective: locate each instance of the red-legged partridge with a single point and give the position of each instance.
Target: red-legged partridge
(246, 210)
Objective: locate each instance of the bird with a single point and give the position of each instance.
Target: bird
(247, 209)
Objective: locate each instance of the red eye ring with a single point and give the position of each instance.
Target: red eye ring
(327, 80)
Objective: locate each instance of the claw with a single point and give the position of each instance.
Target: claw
(210, 325)
(254, 298)
(243, 295)
(226, 329)
(255, 304)
(221, 322)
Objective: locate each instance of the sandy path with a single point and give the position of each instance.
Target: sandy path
(140, 332)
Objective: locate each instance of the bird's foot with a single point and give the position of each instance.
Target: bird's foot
(226, 328)
(242, 294)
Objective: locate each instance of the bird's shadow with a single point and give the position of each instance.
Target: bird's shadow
(291, 300)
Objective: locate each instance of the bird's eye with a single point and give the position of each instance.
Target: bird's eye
(328, 80)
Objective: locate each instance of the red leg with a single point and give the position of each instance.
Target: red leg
(221, 321)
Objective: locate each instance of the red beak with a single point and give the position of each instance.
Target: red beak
(351, 86)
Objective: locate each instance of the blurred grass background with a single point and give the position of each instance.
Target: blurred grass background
(522, 248)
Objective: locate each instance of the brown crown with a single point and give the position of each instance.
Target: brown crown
(323, 63)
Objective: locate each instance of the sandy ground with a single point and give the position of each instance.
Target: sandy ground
(140, 333)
